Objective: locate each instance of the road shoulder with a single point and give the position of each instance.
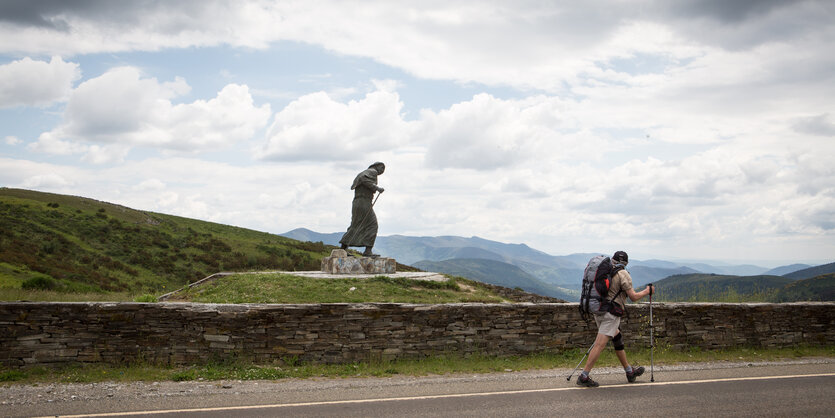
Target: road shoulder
(77, 398)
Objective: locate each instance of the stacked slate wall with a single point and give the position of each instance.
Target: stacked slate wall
(191, 333)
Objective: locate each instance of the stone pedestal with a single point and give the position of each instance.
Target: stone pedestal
(340, 263)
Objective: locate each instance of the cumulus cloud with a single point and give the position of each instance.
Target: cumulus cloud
(48, 181)
(12, 140)
(316, 127)
(486, 133)
(121, 109)
(152, 184)
(117, 103)
(29, 82)
(821, 125)
(108, 154)
(483, 133)
(745, 24)
(532, 45)
(50, 143)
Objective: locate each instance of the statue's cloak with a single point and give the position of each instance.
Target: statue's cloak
(363, 229)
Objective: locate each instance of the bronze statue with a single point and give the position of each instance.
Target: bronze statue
(363, 229)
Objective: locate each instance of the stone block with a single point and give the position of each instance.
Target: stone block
(221, 345)
(216, 338)
(33, 337)
(339, 253)
(340, 263)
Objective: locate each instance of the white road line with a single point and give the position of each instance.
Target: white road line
(427, 397)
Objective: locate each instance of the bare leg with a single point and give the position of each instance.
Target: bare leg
(622, 357)
(599, 344)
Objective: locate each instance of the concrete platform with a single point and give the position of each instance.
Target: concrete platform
(414, 275)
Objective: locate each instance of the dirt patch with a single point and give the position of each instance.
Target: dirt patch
(466, 288)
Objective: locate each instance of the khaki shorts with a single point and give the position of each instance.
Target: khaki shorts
(607, 324)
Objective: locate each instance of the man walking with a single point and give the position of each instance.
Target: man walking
(608, 324)
(363, 229)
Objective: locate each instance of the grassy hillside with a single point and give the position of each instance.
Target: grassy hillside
(73, 244)
(497, 273)
(719, 288)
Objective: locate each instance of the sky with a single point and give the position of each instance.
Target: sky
(677, 130)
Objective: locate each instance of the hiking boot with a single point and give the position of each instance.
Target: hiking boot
(636, 371)
(586, 381)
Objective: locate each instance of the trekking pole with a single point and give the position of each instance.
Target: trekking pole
(581, 362)
(651, 341)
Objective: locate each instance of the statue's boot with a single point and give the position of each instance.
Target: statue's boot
(368, 253)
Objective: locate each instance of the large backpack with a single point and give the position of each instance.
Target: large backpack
(596, 281)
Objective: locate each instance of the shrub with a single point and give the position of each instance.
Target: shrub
(39, 283)
(12, 376)
(145, 298)
(183, 375)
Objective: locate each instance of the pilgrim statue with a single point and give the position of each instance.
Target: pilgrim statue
(363, 229)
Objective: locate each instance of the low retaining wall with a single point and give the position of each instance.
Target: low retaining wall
(188, 333)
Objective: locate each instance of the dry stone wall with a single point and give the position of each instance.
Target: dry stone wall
(190, 333)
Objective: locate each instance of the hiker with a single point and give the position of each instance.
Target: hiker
(363, 229)
(608, 324)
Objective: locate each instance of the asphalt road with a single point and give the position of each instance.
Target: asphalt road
(784, 389)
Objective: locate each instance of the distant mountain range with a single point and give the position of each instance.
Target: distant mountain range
(518, 265)
(784, 270)
(498, 273)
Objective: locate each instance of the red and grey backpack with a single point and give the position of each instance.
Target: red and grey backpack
(596, 281)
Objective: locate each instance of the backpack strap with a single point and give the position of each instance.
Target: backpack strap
(617, 268)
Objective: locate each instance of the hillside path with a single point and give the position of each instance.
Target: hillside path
(414, 275)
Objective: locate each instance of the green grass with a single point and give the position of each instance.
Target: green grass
(14, 295)
(285, 288)
(436, 365)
